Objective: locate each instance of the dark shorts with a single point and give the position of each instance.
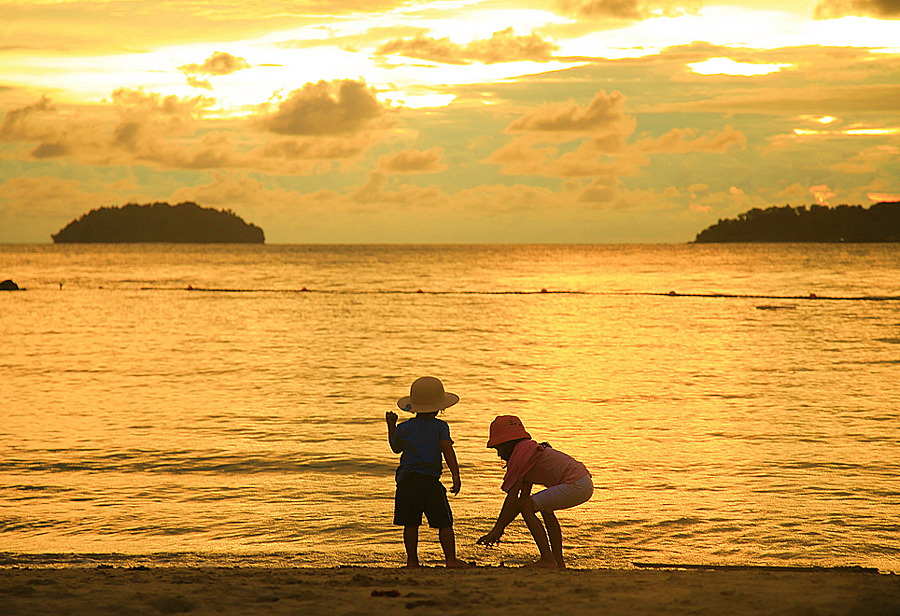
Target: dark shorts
(418, 494)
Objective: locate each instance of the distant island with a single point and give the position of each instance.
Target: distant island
(844, 223)
(159, 222)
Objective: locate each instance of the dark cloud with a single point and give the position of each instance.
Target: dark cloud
(883, 9)
(324, 108)
(503, 46)
(50, 150)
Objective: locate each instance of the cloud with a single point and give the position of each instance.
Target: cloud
(136, 127)
(631, 10)
(23, 125)
(83, 28)
(31, 208)
(324, 108)
(50, 150)
(794, 191)
(521, 157)
(602, 129)
(503, 46)
(685, 140)
(620, 9)
(868, 161)
(220, 63)
(604, 115)
(882, 9)
(413, 161)
(601, 190)
(822, 193)
(814, 99)
(199, 83)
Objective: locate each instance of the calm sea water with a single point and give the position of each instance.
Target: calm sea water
(173, 404)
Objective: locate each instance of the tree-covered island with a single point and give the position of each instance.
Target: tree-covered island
(844, 223)
(160, 222)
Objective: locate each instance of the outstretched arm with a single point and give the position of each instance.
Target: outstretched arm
(508, 512)
(452, 464)
(391, 419)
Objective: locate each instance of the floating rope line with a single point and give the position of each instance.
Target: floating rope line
(811, 296)
(849, 568)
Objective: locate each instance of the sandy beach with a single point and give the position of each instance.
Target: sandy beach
(513, 591)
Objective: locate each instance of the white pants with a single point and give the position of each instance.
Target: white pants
(564, 496)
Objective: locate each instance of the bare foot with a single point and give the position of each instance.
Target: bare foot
(411, 566)
(458, 564)
(544, 563)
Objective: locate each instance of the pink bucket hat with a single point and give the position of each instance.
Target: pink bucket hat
(506, 428)
(427, 395)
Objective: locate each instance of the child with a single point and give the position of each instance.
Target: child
(421, 441)
(567, 481)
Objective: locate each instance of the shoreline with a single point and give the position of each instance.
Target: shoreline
(374, 591)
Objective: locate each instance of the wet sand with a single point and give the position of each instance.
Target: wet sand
(510, 591)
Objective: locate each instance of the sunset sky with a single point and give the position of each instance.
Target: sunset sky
(464, 121)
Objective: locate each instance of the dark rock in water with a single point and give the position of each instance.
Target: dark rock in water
(9, 285)
(160, 222)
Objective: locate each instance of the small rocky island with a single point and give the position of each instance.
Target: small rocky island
(160, 222)
(844, 223)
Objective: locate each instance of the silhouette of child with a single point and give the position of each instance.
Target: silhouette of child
(422, 441)
(567, 481)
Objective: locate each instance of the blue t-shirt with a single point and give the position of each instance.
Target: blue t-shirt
(420, 438)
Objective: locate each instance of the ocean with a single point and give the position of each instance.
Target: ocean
(736, 404)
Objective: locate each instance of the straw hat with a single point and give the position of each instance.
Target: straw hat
(506, 428)
(427, 395)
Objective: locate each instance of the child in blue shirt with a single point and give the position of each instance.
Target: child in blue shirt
(422, 441)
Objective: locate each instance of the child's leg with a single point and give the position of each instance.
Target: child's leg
(411, 541)
(448, 544)
(555, 533)
(539, 534)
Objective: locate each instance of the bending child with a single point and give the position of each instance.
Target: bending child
(567, 481)
(422, 441)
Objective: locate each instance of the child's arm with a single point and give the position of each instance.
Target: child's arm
(508, 513)
(391, 418)
(452, 464)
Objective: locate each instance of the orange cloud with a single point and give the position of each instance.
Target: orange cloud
(884, 197)
(632, 10)
(413, 161)
(24, 124)
(601, 190)
(604, 115)
(171, 132)
(220, 63)
(882, 9)
(603, 127)
(822, 193)
(867, 161)
(324, 108)
(503, 46)
(684, 140)
(520, 157)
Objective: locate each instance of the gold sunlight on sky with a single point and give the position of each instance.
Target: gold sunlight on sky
(483, 120)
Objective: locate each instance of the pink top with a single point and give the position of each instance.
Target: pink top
(541, 465)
